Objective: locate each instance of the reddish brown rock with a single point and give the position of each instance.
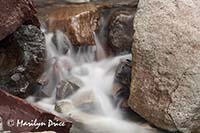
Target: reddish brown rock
(44, 7)
(15, 111)
(14, 13)
(78, 22)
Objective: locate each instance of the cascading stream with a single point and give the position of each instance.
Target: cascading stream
(90, 107)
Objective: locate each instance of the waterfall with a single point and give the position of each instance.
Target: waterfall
(96, 73)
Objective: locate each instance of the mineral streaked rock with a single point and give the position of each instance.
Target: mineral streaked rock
(22, 61)
(79, 22)
(14, 13)
(13, 108)
(165, 86)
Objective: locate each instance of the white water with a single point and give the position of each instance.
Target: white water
(100, 116)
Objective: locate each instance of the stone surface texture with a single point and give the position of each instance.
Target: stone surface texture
(22, 58)
(14, 109)
(165, 87)
(14, 13)
(78, 22)
(121, 31)
(122, 81)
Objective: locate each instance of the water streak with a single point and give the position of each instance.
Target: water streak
(91, 107)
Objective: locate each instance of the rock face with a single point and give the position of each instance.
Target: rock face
(83, 100)
(79, 22)
(22, 57)
(65, 88)
(14, 110)
(121, 31)
(14, 13)
(44, 7)
(120, 3)
(165, 87)
(122, 81)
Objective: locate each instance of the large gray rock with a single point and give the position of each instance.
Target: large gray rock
(165, 86)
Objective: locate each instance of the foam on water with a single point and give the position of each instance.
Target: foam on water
(96, 72)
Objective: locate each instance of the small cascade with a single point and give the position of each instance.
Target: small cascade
(90, 107)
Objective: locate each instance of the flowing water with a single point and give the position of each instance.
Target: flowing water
(91, 107)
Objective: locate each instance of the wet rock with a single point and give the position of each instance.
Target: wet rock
(13, 110)
(29, 132)
(122, 81)
(78, 1)
(89, 123)
(61, 42)
(44, 7)
(120, 3)
(22, 60)
(123, 75)
(120, 34)
(32, 41)
(64, 107)
(83, 100)
(65, 88)
(78, 22)
(165, 73)
(14, 13)
(89, 18)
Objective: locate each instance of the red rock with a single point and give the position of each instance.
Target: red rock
(14, 110)
(15, 13)
(78, 22)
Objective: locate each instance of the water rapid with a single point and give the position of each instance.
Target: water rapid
(90, 107)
